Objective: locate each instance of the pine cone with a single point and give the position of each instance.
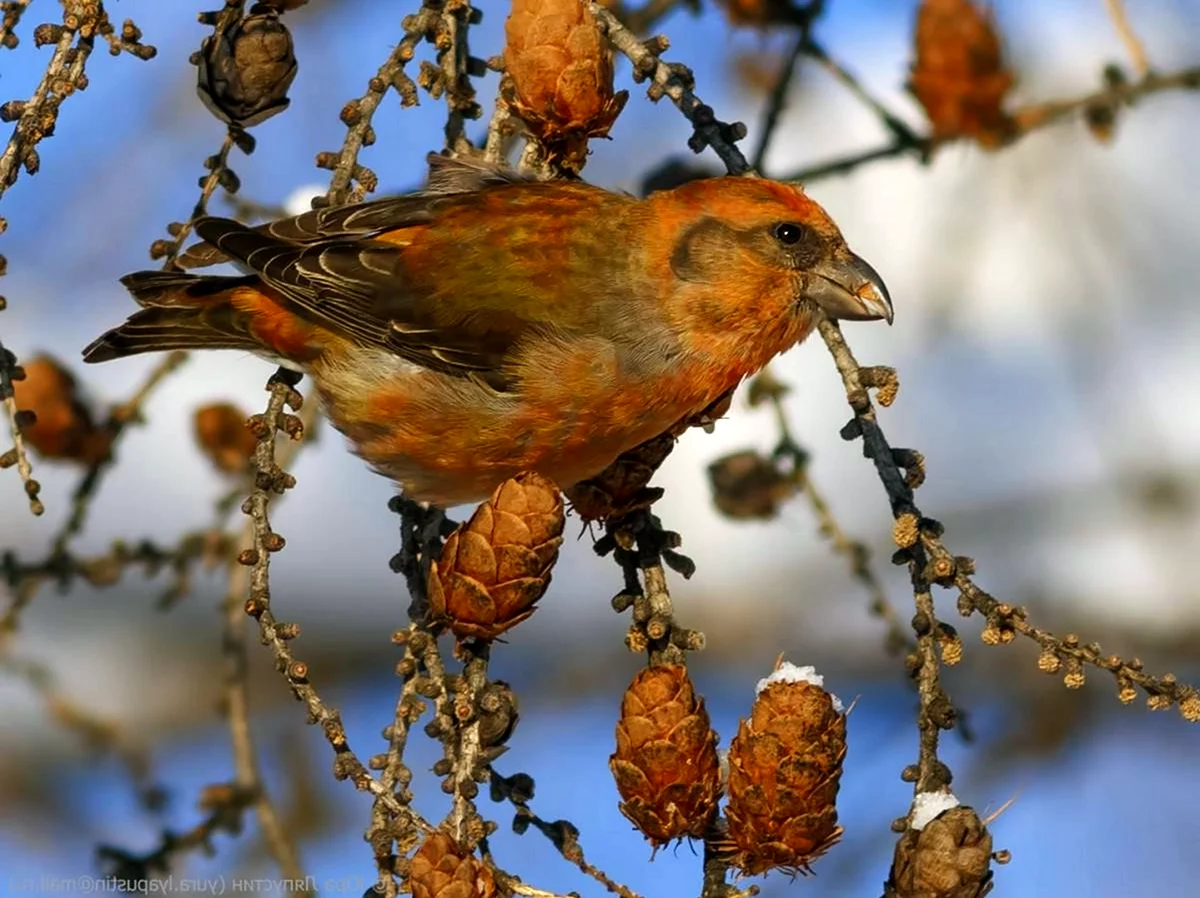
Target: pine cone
(748, 485)
(221, 432)
(497, 565)
(63, 427)
(959, 76)
(623, 486)
(441, 869)
(948, 858)
(245, 72)
(784, 766)
(562, 76)
(665, 765)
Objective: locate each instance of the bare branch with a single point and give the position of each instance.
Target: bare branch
(1133, 45)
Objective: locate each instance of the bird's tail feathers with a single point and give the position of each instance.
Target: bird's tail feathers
(178, 288)
(179, 311)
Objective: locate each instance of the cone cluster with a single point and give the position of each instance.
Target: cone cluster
(959, 76)
(442, 869)
(495, 567)
(784, 766)
(561, 73)
(665, 765)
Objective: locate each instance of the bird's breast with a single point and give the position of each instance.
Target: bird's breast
(452, 440)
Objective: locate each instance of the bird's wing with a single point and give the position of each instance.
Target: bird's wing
(447, 177)
(357, 287)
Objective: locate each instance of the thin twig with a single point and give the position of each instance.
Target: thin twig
(675, 81)
(454, 60)
(217, 166)
(271, 479)
(1115, 94)
(931, 562)
(18, 455)
(225, 804)
(352, 181)
(39, 113)
(901, 132)
(103, 737)
(64, 568)
(13, 10)
(846, 164)
(35, 121)
(386, 831)
(119, 418)
(562, 834)
(1133, 45)
(776, 102)
(237, 699)
(856, 553)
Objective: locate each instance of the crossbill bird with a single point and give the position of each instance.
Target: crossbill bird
(492, 324)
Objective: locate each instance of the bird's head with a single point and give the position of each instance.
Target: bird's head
(753, 253)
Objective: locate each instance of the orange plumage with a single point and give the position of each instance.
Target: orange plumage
(491, 324)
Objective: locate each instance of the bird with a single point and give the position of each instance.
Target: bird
(493, 323)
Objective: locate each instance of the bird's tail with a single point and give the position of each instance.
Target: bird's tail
(179, 311)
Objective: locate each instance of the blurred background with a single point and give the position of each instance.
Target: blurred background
(1046, 336)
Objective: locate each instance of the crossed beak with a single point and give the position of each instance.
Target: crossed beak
(849, 289)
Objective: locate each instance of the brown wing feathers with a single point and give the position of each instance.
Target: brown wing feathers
(331, 284)
(324, 267)
(447, 177)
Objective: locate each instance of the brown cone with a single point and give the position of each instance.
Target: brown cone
(665, 765)
(562, 76)
(784, 766)
(623, 487)
(221, 432)
(441, 869)
(747, 485)
(497, 565)
(949, 858)
(245, 72)
(959, 76)
(63, 426)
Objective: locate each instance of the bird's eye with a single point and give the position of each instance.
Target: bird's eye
(786, 232)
